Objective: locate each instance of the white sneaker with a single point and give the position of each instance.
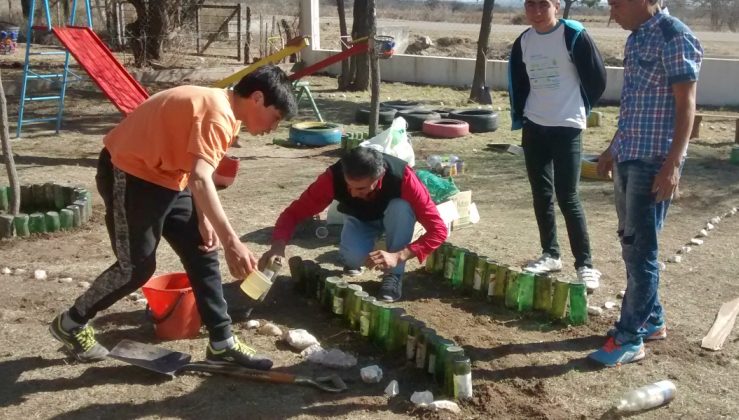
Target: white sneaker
(544, 264)
(589, 276)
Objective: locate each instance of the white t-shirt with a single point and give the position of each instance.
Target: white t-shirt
(554, 99)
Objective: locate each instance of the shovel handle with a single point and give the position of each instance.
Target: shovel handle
(242, 372)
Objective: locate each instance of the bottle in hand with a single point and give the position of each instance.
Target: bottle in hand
(257, 283)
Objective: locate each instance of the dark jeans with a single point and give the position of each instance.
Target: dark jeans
(640, 220)
(553, 165)
(138, 214)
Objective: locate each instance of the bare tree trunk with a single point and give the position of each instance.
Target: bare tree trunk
(478, 80)
(374, 70)
(288, 36)
(247, 45)
(360, 28)
(344, 78)
(568, 6)
(15, 189)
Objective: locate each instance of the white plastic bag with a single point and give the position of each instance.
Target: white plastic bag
(394, 142)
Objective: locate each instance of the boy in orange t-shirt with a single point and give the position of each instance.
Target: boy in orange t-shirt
(155, 177)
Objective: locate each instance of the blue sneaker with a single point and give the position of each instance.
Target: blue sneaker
(614, 353)
(654, 331)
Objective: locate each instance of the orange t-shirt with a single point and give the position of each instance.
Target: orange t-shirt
(159, 141)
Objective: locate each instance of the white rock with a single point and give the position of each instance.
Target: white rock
(677, 259)
(422, 398)
(609, 304)
(392, 389)
(685, 250)
(446, 405)
(84, 284)
(710, 226)
(19, 271)
(702, 234)
(696, 241)
(334, 358)
(65, 280)
(661, 265)
(134, 296)
(140, 301)
(270, 329)
(40, 275)
(299, 339)
(371, 374)
(252, 323)
(5, 270)
(621, 294)
(716, 220)
(595, 310)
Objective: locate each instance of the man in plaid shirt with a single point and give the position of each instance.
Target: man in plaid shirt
(661, 65)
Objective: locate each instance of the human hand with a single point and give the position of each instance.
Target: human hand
(240, 260)
(276, 250)
(383, 260)
(208, 236)
(605, 164)
(666, 181)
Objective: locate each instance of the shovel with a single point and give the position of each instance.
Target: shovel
(167, 362)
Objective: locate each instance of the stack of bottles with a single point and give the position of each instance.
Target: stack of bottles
(388, 327)
(478, 275)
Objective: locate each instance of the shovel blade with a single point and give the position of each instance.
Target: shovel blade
(147, 356)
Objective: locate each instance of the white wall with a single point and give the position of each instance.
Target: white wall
(718, 84)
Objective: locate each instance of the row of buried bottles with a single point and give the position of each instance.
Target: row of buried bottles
(388, 327)
(520, 290)
(73, 207)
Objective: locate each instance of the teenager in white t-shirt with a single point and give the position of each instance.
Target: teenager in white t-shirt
(556, 74)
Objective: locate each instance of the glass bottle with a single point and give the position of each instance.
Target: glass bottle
(414, 332)
(525, 300)
(329, 288)
(339, 296)
(349, 300)
(450, 263)
(365, 316)
(296, 265)
(578, 304)
(543, 293)
(500, 284)
(431, 261)
(559, 300)
(480, 274)
(468, 275)
(422, 347)
(356, 309)
(432, 349)
(462, 368)
(460, 255)
(391, 340)
(257, 284)
(450, 354)
(441, 347)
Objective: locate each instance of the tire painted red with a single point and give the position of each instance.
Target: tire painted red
(446, 128)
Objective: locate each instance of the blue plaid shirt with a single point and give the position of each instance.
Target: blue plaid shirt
(662, 52)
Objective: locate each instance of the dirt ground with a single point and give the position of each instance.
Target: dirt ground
(523, 366)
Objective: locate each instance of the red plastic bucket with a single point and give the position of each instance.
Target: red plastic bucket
(225, 172)
(172, 306)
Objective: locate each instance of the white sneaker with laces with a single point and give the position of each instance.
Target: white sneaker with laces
(589, 276)
(544, 264)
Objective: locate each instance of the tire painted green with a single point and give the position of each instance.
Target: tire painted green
(20, 222)
(59, 202)
(37, 196)
(6, 225)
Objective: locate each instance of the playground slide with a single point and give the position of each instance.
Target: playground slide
(291, 47)
(99, 62)
(354, 50)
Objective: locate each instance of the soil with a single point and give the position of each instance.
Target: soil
(523, 365)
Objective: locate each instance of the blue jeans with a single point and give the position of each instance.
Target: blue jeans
(358, 237)
(640, 220)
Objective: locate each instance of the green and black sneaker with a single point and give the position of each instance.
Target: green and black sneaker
(79, 342)
(239, 354)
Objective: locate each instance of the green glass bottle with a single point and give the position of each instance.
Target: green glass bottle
(382, 329)
(491, 274)
(511, 294)
(432, 350)
(440, 260)
(559, 300)
(339, 296)
(365, 316)
(543, 293)
(375, 309)
(391, 339)
(356, 309)
(431, 261)
(329, 289)
(414, 333)
(422, 347)
(480, 276)
(578, 304)
(450, 263)
(468, 276)
(462, 377)
(450, 355)
(349, 301)
(296, 272)
(525, 299)
(458, 274)
(400, 333)
(499, 286)
(441, 347)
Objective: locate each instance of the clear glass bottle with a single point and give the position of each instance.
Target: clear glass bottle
(257, 284)
(339, 296)
(646, 397)
(414, 332)
(462, 368)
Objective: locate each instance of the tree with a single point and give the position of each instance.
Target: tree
(15, 189)
(359, 65)
(478, 81)
(155, 19)
(374, 70)
(344, 78)
(569, 3)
